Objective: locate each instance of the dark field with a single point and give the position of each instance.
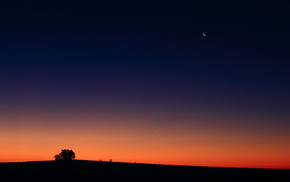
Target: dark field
(113, 171)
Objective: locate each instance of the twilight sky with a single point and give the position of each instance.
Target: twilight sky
(137, 81)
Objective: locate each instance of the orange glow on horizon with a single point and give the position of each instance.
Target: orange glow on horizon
(36, 139)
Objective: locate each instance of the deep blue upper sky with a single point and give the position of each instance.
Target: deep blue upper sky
(147, 52)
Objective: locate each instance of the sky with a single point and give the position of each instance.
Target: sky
(136, 81)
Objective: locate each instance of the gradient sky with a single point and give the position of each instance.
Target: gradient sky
(137, 81)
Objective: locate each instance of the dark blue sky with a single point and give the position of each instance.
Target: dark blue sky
(147, 52)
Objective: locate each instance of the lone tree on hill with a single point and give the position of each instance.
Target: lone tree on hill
(65, 155)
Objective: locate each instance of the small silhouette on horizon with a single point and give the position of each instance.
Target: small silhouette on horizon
(65, 155)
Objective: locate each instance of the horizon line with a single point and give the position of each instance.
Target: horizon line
(108, 161)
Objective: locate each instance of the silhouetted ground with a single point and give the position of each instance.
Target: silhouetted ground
(80, 171)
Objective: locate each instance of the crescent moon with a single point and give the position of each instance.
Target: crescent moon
(203, 34)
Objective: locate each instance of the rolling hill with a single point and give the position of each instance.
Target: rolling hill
(79, 170)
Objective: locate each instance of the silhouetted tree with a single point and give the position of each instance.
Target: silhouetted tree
(65, 155)
(57, 157)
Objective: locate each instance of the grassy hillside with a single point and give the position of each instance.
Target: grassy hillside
(77, 170)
